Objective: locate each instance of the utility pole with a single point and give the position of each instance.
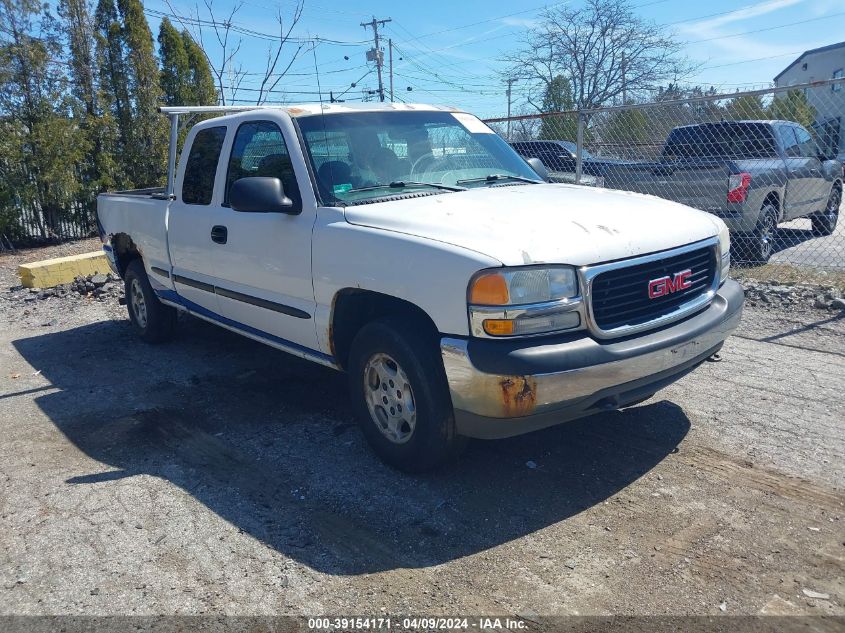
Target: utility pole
(376, 54)
(510, 81)
(390, 58)
(624, 82)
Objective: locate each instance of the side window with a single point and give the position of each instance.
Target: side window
(198, 183)
(260, 150)
(806, 144)
(789, 141)
(837, 74)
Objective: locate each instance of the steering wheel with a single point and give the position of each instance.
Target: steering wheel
(425, 157)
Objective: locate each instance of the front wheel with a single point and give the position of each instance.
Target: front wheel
(825, 222)
(759, 245)
(400, 396)
(152, 320)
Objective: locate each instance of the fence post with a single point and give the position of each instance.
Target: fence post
(579, 149)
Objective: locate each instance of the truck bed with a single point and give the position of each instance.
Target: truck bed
(140, 213)
(698, 184)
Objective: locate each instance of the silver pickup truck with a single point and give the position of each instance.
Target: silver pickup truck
(752, 174)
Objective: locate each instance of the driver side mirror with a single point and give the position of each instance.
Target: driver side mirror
(260, 194)
(538, 166)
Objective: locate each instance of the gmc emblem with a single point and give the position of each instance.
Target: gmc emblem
(667, 285)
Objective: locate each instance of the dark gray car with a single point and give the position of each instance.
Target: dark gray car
(559, 156)
(752, 174)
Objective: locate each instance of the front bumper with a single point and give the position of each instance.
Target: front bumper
(502, 388)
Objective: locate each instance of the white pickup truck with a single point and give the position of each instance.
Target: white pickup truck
(411, 247)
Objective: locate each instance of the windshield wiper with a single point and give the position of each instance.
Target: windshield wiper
(497, 177)
(404, 184)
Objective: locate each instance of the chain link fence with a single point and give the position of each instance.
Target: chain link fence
(768, 162)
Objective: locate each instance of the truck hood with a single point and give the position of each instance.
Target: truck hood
(549, 223)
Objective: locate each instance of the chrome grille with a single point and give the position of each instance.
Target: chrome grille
(619, 293)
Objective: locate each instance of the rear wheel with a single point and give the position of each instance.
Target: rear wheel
(824, 223)
(400, 396)
(152, 320)
(759, 245)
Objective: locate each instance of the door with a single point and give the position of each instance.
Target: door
(192, 220)
(818, 186)
(264, 268)
(800, 185)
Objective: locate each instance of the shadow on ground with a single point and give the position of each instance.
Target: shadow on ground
(267, 442)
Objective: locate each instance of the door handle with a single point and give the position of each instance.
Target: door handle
(219, 234)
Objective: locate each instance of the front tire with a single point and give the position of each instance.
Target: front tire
(400, 396)
(759, 245)
(153, 321)
(825, 222)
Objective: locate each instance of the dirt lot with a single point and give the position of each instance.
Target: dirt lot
(214, 475)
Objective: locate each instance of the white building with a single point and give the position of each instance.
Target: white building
(827, 62)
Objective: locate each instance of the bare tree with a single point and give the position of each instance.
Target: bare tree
(271, 77)
(229, 73)
(606, 51)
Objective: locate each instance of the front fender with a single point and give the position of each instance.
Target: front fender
(428, 274)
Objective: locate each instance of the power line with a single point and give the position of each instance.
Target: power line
(242, 30)
(771, 28)
(746, 61)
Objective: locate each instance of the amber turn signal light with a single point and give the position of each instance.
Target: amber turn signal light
(499, 327)
(489, 289)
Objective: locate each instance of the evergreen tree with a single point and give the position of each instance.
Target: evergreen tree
(745, 107)
(40, 143)
(629, 127)
(114, 87)
(793, 106)
(204, 90)
(558, 97)
(185, 74)
(98, 167)
(175, 69)
(146, 153)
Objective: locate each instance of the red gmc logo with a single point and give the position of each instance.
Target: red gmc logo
(667, 285)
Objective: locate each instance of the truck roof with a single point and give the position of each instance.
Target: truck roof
(310, 109)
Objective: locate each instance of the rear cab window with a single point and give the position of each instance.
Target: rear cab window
(201, 166)
(721, 140)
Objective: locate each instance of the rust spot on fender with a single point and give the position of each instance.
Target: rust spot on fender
(519, 395)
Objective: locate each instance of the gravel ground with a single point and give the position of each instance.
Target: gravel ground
(213, 475)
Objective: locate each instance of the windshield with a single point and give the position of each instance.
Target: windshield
(721, 140)
(362, 156)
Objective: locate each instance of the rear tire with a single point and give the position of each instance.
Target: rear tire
(153, 321)
(824, 223)
(400, 396)
(759, 245)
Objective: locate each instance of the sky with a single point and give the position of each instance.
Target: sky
(448, 52)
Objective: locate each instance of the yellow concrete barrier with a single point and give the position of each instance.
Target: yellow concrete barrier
(62, 270)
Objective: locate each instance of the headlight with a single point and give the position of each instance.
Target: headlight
(725, 250)
(524, 300)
